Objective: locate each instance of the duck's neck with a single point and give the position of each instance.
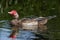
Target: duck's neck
(16, 18)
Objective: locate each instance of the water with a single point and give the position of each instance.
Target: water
(5, 32)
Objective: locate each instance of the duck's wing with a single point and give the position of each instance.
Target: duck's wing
(43, 18)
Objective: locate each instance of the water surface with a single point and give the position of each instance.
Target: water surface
(5, 30)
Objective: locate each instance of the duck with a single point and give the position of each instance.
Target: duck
(27, 23)
(15, 24)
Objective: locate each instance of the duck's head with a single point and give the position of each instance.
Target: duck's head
(14, 14)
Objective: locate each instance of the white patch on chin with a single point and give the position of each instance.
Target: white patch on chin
(16, 15)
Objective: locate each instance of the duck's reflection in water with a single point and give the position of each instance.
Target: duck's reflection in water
(5, 30)
(23, 35)
(4, 34)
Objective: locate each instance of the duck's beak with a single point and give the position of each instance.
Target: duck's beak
(10, 12)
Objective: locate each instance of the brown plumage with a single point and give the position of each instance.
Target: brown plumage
(35, 24)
